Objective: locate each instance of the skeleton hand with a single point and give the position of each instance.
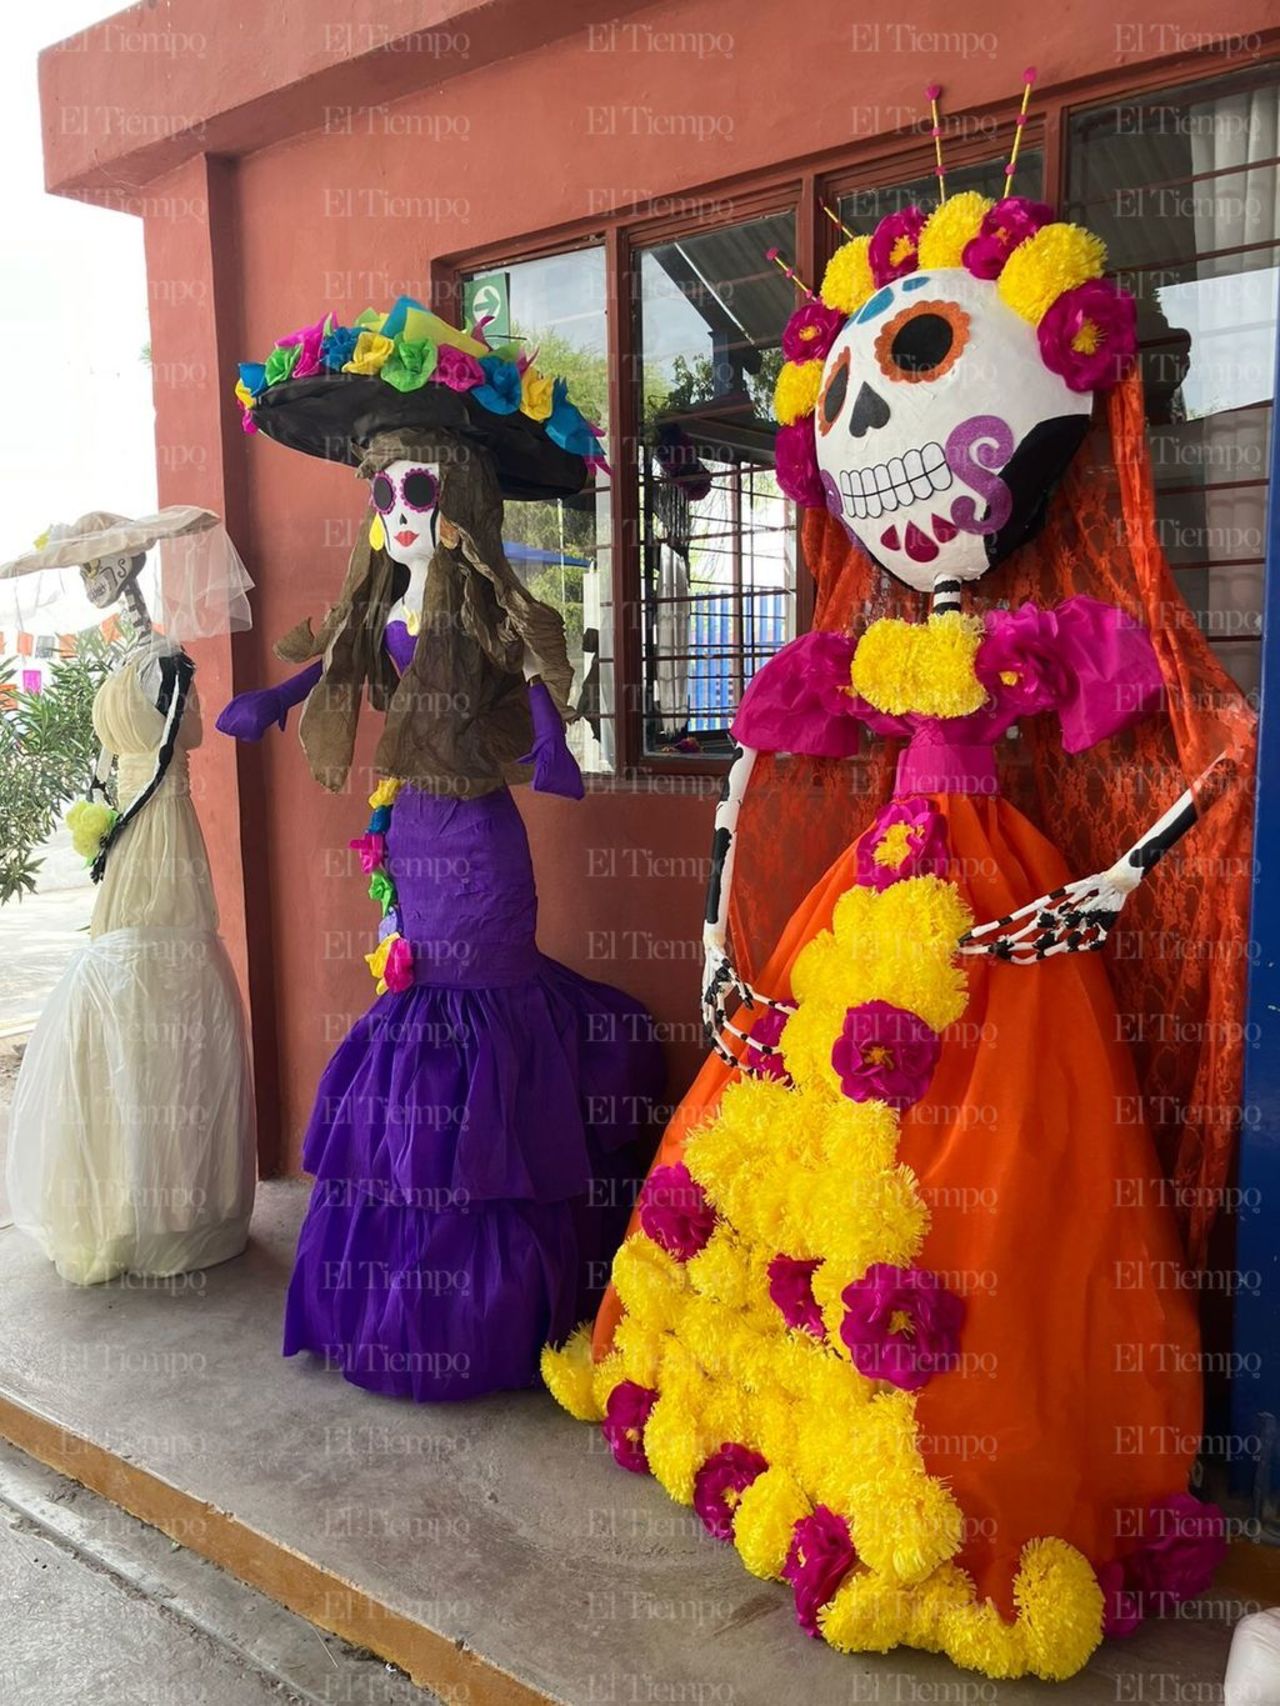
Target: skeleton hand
(719, 982)
(1077, 918)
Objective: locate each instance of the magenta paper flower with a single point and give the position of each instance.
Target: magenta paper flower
(908, 839)
(675, 1213)
(1089, 335)
(791, 1288)
(625, 1415)
(884, 1054)
(456, 369)
(811, 331)
(796, 464)
(1186, 1541)
(901, 1325)
(721, 1482)
(821, 1556)
(894, 243)
(1121, 1601)
(1003, 227)
(1020, 661)
(397, 973)
(309, 340)
(372, 849)
(768, 1028)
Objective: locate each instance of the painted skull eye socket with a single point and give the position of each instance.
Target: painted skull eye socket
(834, 392)
(383, 493)
(419, 488)
(922, 342)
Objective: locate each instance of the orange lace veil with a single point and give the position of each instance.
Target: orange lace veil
(1177, 957)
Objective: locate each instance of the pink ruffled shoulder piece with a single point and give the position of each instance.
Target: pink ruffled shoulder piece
(799, 700)
(1088, 661)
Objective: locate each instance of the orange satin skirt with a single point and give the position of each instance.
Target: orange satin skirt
(1078, 1398)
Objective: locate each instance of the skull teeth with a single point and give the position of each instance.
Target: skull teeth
(895, 484)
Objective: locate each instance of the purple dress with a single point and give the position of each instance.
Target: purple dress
(475, 1137)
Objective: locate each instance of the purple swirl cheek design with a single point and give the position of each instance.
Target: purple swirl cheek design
(976, 450)
(835, 503)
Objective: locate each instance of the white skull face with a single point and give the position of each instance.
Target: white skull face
(940, 431)
(406, 495)
(105, 578)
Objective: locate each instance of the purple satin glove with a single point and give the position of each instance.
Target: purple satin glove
(555, 769)
(250, 715)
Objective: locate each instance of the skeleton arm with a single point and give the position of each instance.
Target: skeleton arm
(1078, 917)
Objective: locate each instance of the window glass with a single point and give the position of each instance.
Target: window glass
(862, 209)
(1184, 187)
(562, 551)
(717, 537)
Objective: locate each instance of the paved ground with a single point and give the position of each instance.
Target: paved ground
(100, 1610)
(39, 933)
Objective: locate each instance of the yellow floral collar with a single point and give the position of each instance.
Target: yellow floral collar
(922, 667)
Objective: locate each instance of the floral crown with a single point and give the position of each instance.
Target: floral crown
(1047, 271)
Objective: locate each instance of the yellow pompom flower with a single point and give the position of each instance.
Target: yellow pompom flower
(767, 1512)
(1059, 1608)
(907, 1524)
(90, 822)
(848, 281)
(676, 1445)
(569, 1375)
(796, 391)
(650, 1283)
(978, 1638)
(951, 225)
(536, 395)
(927, 667)
(1056, 259)
(640, 1348)
(866, 1614)
(371, 354)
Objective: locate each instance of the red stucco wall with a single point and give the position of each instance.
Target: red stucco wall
(519, 117)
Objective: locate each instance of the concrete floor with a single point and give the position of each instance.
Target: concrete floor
(102, 1611)
(502, 1525)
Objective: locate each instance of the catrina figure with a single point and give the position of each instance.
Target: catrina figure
(904, 1313)
(132, 1143)
(472, 1136)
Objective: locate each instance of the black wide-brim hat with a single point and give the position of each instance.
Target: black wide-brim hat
(334, 413)
(335, 416)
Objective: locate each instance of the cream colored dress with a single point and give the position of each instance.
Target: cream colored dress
(132, 1134)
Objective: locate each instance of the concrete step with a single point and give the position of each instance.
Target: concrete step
(100, 1609)
(492, 1550)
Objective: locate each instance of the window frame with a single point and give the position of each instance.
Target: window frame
(799, 186)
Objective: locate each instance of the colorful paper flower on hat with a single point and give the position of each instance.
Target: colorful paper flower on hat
(720, 1484)
(338, 346)
(791, 1288)
(372, 850)
(811, 331)
(884, 1054)
(907, 839)
(675, 1213)
(253, 378)
(1004, 226)
(500, 392)
(1019, 660)
(796, 463)
(371, 353)
(382, 890)
(1089, 335)
(457, 369)
(625, 1415)
(568, 427)
(901, 1325)
(768, 1028)
(821, 1556)
(894, 244)
(310, 342)
(535, 394)
(411, 363)
(281, 363)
